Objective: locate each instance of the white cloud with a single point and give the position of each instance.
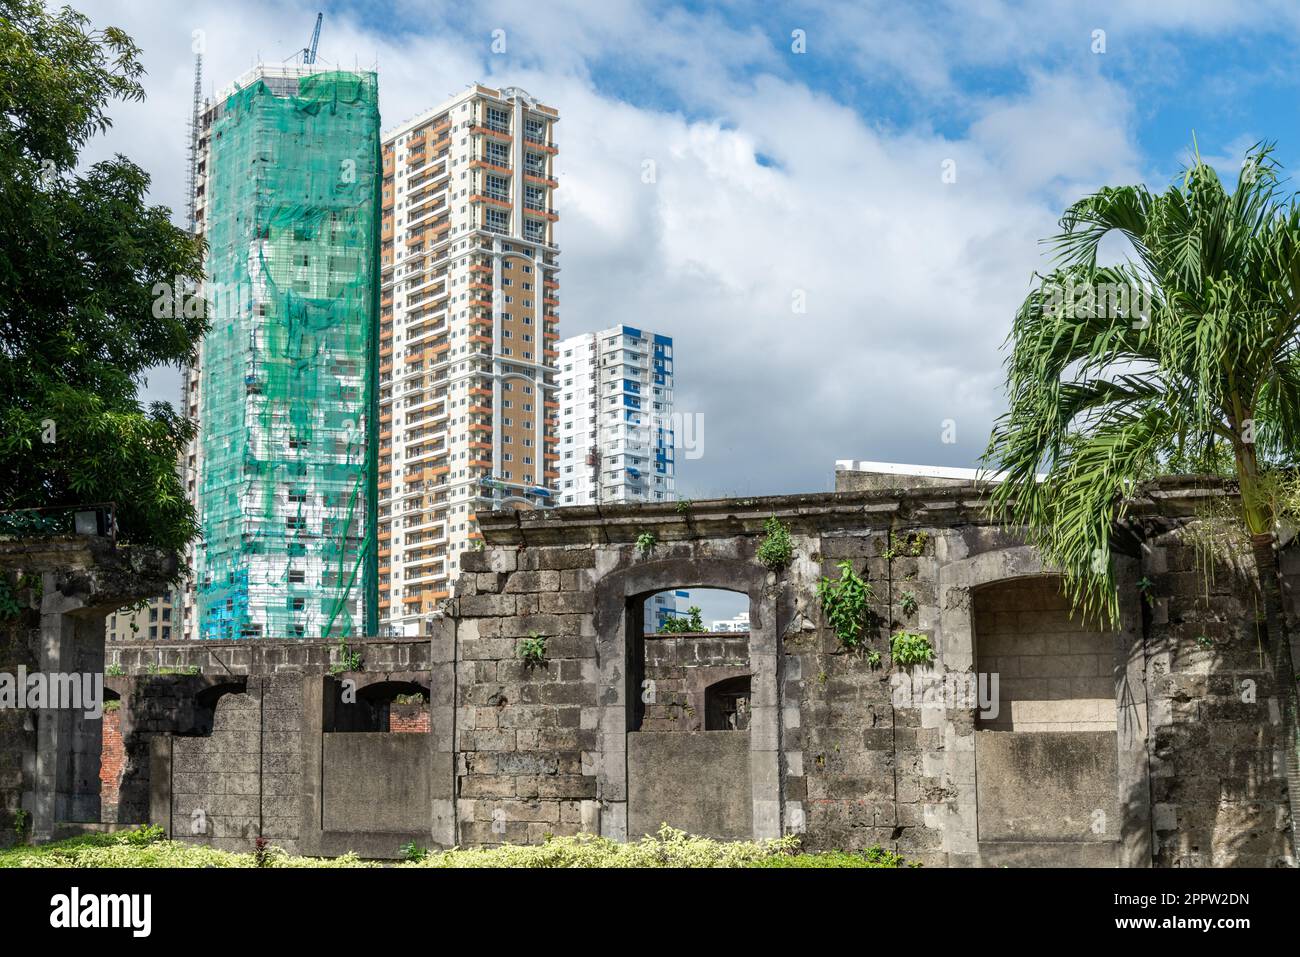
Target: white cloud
(910, 282)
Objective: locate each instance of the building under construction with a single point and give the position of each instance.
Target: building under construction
(286, 186)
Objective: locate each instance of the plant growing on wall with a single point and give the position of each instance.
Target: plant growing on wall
(532, 649)
(776, 550)
(348, 660)
(844, 603)
(645, 543)
(9, 604)
(873, 658)
(906, 545)
(907, 601)
(21, 821)
(910, 648)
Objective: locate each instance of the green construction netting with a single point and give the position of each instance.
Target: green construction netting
(288, 372)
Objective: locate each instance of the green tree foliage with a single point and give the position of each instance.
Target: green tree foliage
(80, 253)
(1185, 354)
(683, 624)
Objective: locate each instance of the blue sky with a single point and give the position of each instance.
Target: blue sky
(783, 176)
(1226, 76)
(831, 294)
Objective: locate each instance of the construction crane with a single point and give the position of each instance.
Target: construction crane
(309, 52)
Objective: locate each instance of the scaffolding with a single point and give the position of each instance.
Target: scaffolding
(289, 364)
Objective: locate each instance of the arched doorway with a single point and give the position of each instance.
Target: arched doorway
(1046, 755)
(719, 782)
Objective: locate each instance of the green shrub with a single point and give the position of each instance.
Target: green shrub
(413, 852)
(844, 602)
(683, 624)
(874, 857)
(776, 550)
(143, 835)
(129, 849)
(910, 648)
(532, 649)
(645, 543)
(669, 848)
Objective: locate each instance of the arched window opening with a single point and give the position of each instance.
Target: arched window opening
(726, 705)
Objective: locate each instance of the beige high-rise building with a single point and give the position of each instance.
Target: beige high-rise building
(152, 621)
(468, 332)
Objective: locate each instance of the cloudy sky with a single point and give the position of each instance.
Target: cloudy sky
(831, 292)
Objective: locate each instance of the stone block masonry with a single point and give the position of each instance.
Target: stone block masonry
(1152, 740)
(1166, 764)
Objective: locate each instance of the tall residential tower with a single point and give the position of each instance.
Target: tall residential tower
(287, 195)
(616, 406)
(616, 427)
(468, 326)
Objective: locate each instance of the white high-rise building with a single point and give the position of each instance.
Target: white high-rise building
(616, 404)
(738, 624)
(468, 327)
(616, 434)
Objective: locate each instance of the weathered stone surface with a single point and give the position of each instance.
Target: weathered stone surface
(837, 744)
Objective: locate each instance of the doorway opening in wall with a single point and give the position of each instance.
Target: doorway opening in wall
(693, 677)
(689, 740)
(1046, 753)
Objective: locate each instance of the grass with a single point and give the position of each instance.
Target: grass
(670, 848)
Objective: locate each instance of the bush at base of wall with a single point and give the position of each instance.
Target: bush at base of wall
(671, 848)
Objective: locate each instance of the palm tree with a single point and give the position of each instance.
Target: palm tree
(1185, 349)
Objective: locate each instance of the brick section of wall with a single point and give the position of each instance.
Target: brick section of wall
(408, 718)
(1054, 672)
(151, 705)
(112, 761)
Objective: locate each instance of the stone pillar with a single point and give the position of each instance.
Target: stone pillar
(66, 785)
